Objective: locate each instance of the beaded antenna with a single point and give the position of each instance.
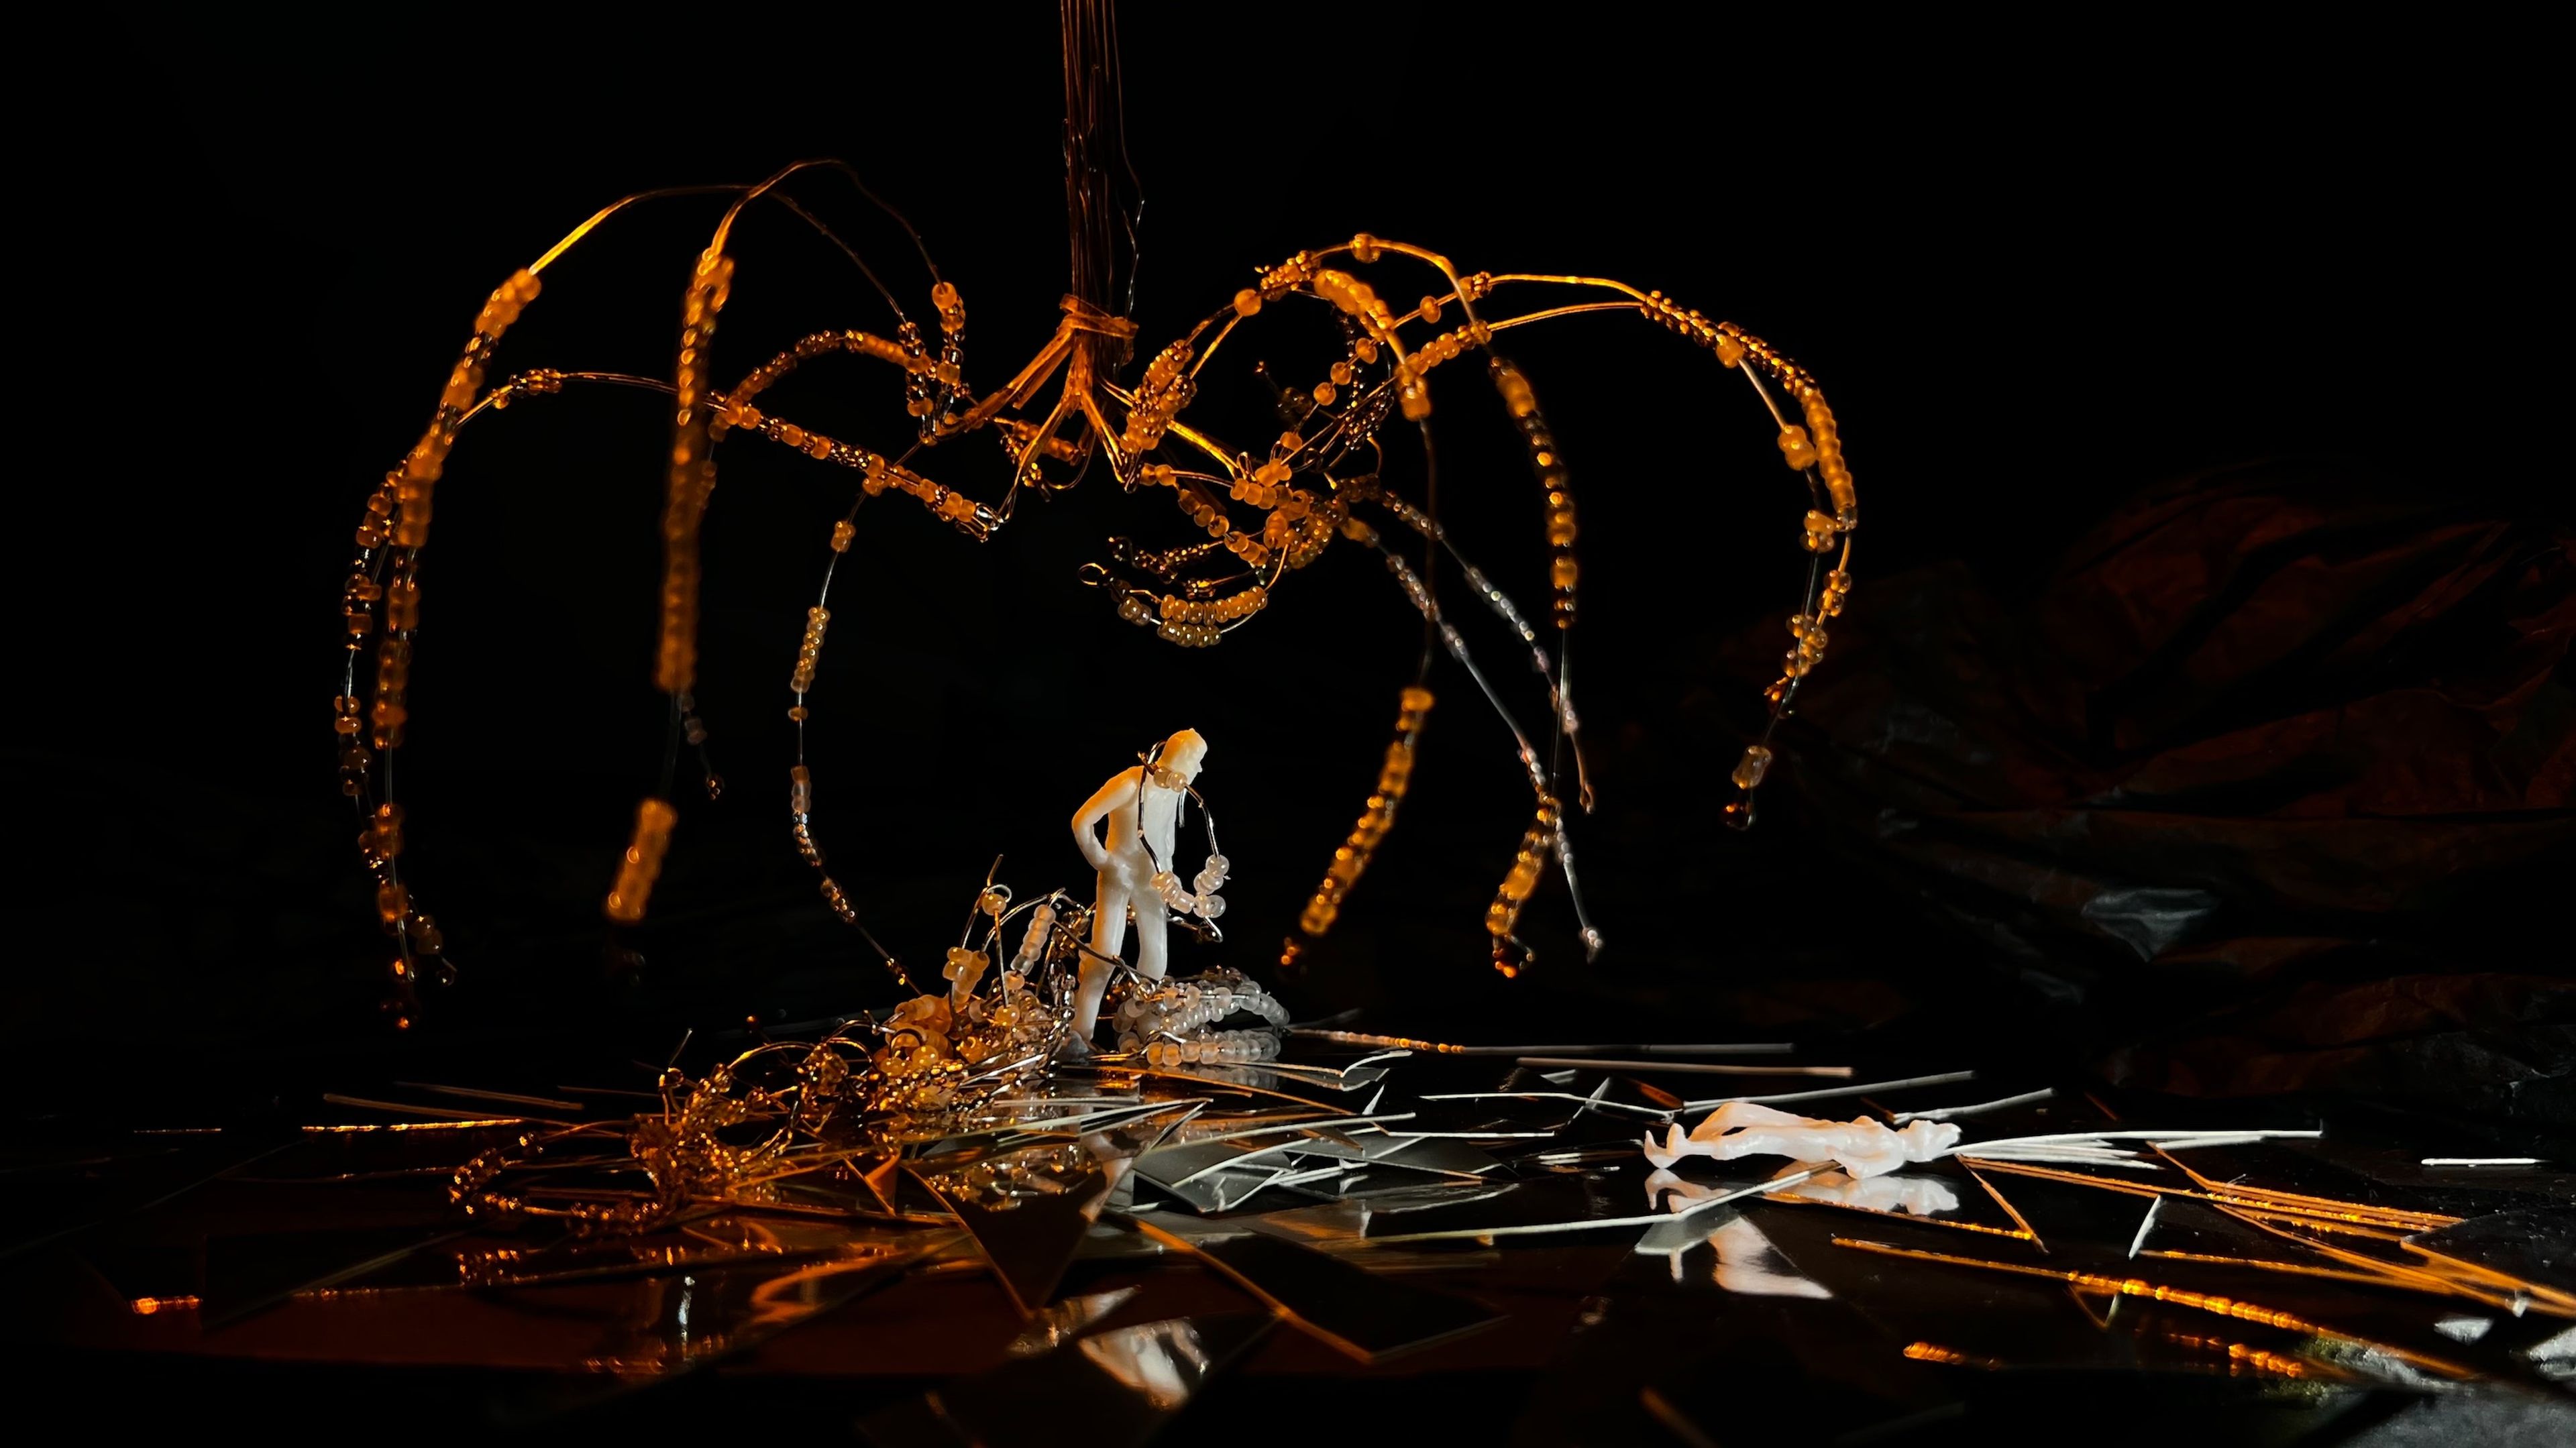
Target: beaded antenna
(1063, 412)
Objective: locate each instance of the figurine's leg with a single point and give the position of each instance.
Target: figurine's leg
(1108, 934)
(1153, 936)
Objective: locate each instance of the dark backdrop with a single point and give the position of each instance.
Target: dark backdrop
(2034, 273)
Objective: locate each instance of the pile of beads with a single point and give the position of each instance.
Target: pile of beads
(1173, 1023)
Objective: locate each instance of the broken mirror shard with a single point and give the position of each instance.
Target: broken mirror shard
(1116, 1388)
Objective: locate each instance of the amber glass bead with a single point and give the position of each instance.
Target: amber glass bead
(1750, 769)
(1795, 449)
(643, 862)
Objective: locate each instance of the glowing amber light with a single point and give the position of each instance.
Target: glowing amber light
(1933, 1352)
(2231, 1307)
(643, 863)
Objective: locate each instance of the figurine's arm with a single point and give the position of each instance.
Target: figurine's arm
(1118, 793)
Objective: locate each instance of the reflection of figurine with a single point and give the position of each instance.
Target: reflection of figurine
(1747, 1264)
(1143, 808)
(1161, 1362)
(1919, 1196)
(1865, 1148)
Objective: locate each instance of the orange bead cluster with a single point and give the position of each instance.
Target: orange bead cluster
(376, 524)
(1166, 389)
(1809, 632)
(1538, 844)
(1200, 504)
(1447, 346)
(642, 864)
(1393, 778)
(963, 512)
(536, 382)
(1355, 297)
(428, 458)
(1796, 450)
(760, 379)
(1720, 337)
(917, 399)
(967, 515)
(1750, 769)
(1195, 623)
(348, 716)
(800, 810)
(810, 652)
(1829, 457)
(382, 839)
(1300, 540)
(1548, 464)
(951, 367)
(1837, 589)
(390, 711)
(692, 478)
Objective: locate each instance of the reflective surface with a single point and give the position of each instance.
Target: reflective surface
(1096, 1260)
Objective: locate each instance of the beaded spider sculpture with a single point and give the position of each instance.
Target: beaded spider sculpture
(1256, 517)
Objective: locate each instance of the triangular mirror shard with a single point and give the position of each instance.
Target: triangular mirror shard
(1029, 1239)
(1356, 1311)
(1117, 1388)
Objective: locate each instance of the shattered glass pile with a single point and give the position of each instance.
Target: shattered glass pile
(1103, 1247)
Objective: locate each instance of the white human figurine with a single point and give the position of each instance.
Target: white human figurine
(1127, 870)
(1863, 1147)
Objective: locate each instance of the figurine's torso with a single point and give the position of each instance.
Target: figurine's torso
(1160, 811)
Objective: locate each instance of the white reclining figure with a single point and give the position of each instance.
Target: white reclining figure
(1862, 1147)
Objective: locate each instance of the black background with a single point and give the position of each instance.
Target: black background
(2034, 271)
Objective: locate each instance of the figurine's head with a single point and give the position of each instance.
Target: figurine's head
(1182, 753)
